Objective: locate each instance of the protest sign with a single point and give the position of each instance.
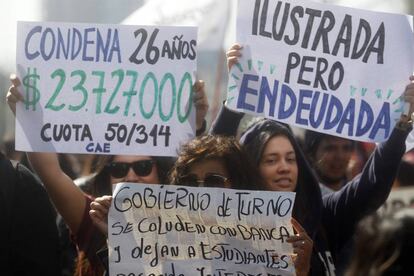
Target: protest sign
(177, 230)
(333, 69)
(108, 89)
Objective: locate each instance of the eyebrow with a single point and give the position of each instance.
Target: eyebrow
(277, 154)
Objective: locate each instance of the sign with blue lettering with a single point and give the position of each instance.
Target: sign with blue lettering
(106, 89)
(332, 69)
(187, 231)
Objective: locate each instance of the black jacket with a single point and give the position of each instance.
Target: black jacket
(29, 243)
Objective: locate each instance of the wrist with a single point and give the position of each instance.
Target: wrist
(405, 123)
(201, 129)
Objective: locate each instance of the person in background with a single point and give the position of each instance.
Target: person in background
(405, 176)
(330, 157)
(389, 238)
(29, 241)
(74, 205)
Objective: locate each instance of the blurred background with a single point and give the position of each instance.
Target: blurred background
(215, 18)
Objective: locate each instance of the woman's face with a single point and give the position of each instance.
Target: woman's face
(202, 172)
(136, 169)
(278, 165)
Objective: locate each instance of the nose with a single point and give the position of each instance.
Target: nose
(283, 167)
(131, 176)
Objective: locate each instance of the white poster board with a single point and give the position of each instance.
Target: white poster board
(108, 89)
(332, 69)
(177, 230)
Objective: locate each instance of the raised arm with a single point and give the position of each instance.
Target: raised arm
(68, 198)
(369, 190)
(227, 121)
(201, 105)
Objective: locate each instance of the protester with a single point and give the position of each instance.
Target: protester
(74, 205)
(405, 176)
(330, 157)
(213, 161)
(206, 161)
(29, 241)
(212, 155)
(220, 162)
(330, 221)
(389, 239)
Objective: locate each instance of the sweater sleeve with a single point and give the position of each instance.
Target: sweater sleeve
(89, 239)
(226, 122)
(365, 193)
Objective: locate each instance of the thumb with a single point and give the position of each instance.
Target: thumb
(14, 80)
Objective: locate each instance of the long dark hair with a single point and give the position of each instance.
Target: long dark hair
(308, 203)
(390, 239)
(100, 185)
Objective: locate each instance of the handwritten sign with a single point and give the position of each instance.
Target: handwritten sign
(114, 89)
(333, 69)
(176, 230)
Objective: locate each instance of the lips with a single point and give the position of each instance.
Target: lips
(283, 182)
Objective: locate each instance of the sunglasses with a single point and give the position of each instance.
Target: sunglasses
(120, 169)
(210, 180)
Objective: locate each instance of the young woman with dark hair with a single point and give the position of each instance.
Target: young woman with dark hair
(330, 220)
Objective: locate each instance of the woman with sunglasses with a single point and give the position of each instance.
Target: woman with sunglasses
(330, 220)
(74, 205)
(206, 161)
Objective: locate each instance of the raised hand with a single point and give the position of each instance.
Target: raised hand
(99, 212)
(302, 247)
(233, 55)
(13, 94)
(201, 103)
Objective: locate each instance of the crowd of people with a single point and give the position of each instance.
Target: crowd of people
(334, 206)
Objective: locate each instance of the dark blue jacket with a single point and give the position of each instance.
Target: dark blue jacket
(29, 242)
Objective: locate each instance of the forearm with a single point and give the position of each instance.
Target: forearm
(226, 122)
(66, 196)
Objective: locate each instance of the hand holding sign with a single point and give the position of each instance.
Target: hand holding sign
(99, 213)
(201, 103)
(84, 93)
(233, 55)
(409, 97)
(343, 80)
(406, 120)
(178, 230)
(13, 94)
(302, 246)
